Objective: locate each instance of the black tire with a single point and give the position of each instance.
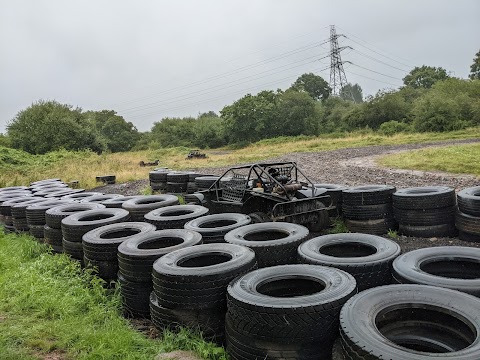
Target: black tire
(176, 188)
(8, 221)
(36, 231)
(425, 217)
(141, 205)
(374, 227)
(411, 322)
(367, 212)
(19, 210)
(368, 195)
(13, 189)
(335, 191)
(467, 223)
(214, 227)
(78, 224)
(158, 186)
(191, 188)
(81, 195)
(135, 297)
(46, 181)
(274, 243)
(136, 256)
(35, 213)
(73, 249)
(462, 235)
(117, 202)
(177, 177)
(20, 224)
(102, 242)
(422, 198)
(175, 216)
(67, 191)
(52, 236)
(158, 176)
(443, 230)
(293, 308)
(259, 217)
(204, 182)
(100, 198)
(104, 269)
(54, 216)
(367, 257)
(197, 277)
(452, 267)
(6, 207)
(469, 201)
(211, 322)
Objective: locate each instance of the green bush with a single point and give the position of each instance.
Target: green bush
(393, 127)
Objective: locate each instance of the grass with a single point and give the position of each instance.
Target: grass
(458, 159)
(51, 306)
(338, 227)
(19, 168)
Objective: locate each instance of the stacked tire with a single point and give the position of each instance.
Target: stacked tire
(204, 182)
(274, 243)
(100, 245)
(5, 210)
(140, 205)
(190, 285)
(335, 191)
(78, 224)
(18, 212)
(368, 209)
(467, 219)
(135, 261)
(175, 216)
(286, 312)
(35, 214)
(425, 211)
(214, 227)
(177, 182)
(158, 180)
(191, 186)
(53, 227)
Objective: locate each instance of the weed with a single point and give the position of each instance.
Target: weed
(338, 227)
(392, 234)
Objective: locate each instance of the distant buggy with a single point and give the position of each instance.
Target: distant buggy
(196, 154)
(268, 192)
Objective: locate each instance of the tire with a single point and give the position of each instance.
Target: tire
(452, 267)
(175, 216)
(158, 186)
(373, 227)
(469, 201)
(427, 217)
(204, 182)
(467, 223)
(100, 198)
(52, 236)
(176, 188)
(443, 230)
(78, 224)
(367, 257)
(214, 227)
(141, 205)
(259, 217)
(117, 202)
(81, 195)
(20, 225)
(13, 189)
(73, 249)
(289, 307)
(136, 256)
(335, 191)
(6, 207)
(410, 322)
(211, 322)
(135, 297)
(192, 176)
(197, 277)
(67, 191)
(104, 269)
(101, 243)
(462, 235)
(422, 198)
(274, 243)
(177, 177)
(36, 231)
(19, 210)
(367, 212)
(54, 216)
(191, 188)
(35, 213)
(158, 176)
(368, 195)
(45, 181)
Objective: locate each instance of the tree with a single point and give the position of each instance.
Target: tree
(296, 111)
(425, 76)
(48, 125)
(174, 132)
(475, 67)
(356, 91)
(313, 85)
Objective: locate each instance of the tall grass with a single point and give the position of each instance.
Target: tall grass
(49, 304)
(20, 168)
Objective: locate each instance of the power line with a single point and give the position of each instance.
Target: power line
(362, 67)
(366, 77)
(379, 61)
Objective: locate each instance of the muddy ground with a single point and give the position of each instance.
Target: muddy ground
(351, 167)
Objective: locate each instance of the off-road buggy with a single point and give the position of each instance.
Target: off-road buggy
(268, 192)
(196, 154)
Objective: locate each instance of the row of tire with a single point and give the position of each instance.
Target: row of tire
(196, 285)
(177, 182)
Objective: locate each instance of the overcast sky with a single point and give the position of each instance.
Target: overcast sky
(152, 59)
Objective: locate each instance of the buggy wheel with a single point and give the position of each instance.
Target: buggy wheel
(259, 217)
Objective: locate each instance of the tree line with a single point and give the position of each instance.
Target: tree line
(429, 100)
